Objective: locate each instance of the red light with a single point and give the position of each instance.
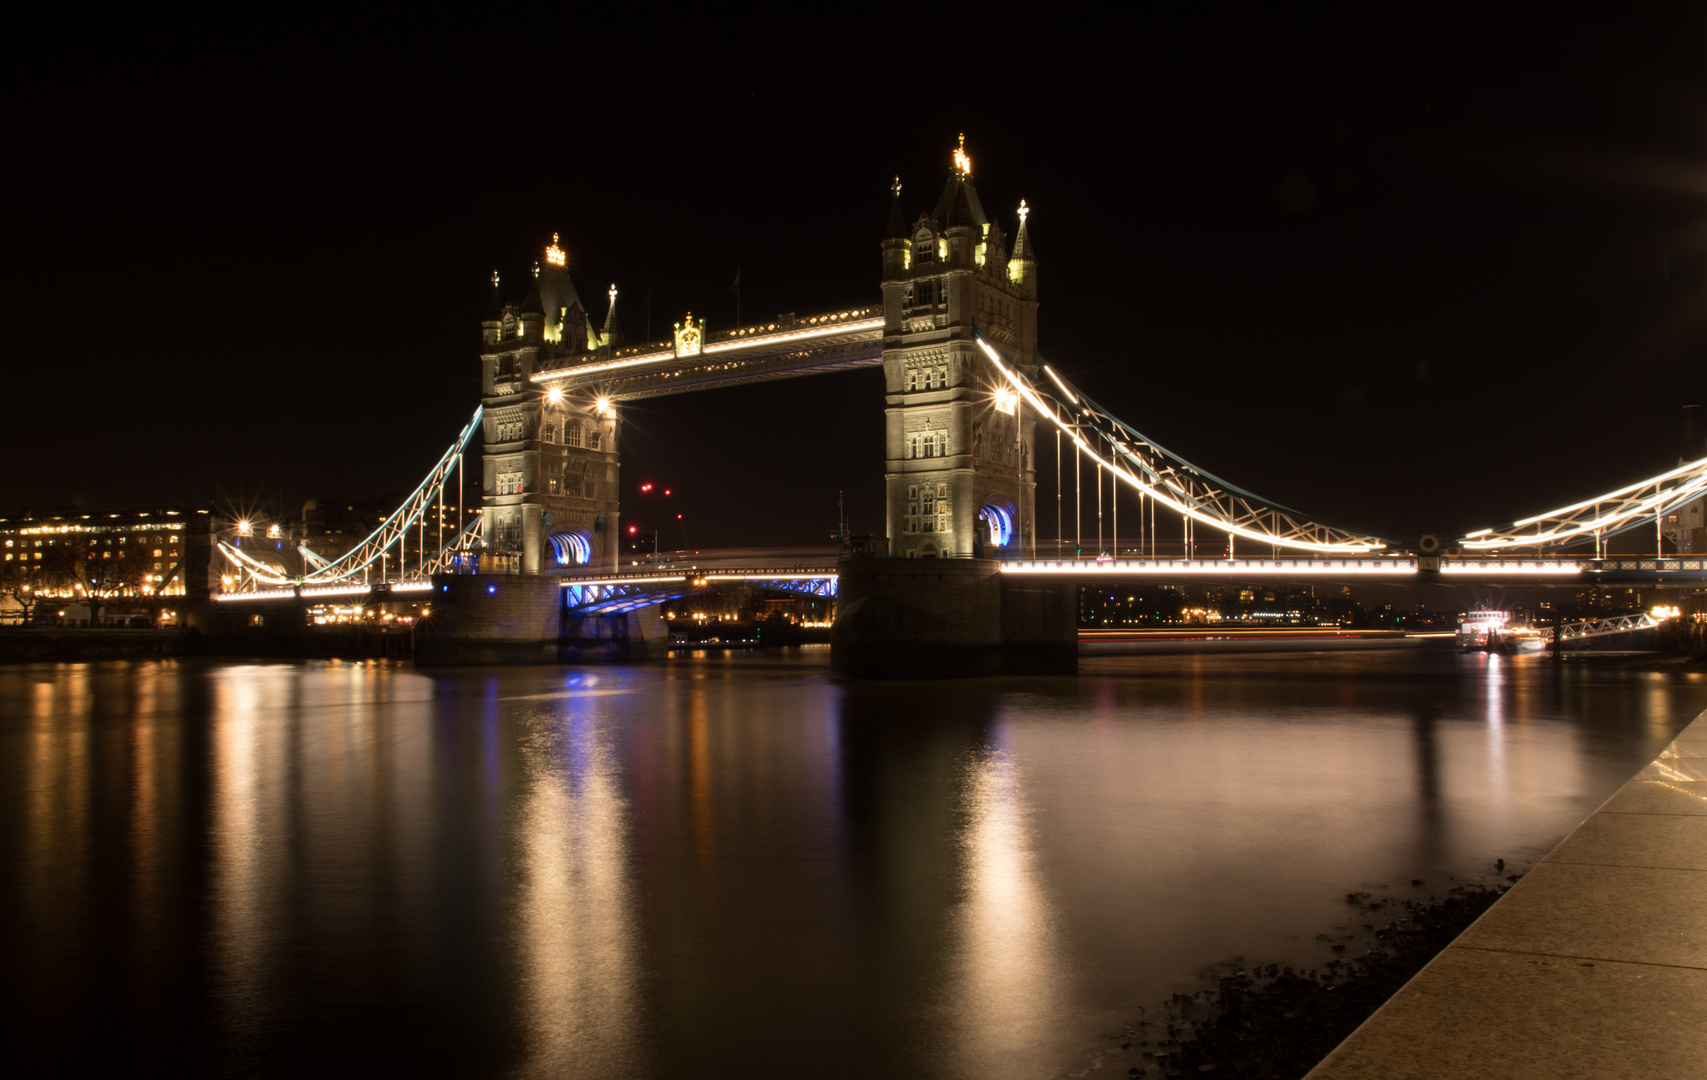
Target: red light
(666, 491)
(645, 487)
(678, 517)
(632, 530)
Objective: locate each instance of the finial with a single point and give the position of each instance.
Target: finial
(494, 279)
(962, 163)
(1023, 210)
(554, 254)
(896, 187)
(536, 268)
(613, 292)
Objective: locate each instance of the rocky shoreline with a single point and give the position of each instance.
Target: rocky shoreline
(1270, 1022)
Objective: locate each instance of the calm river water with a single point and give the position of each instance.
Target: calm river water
(739, 865)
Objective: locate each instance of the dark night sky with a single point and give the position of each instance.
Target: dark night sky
(1410, 270)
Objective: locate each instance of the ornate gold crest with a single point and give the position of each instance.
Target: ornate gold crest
(690, 339)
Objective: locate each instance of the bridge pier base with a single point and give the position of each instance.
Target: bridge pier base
(519, 619)
(637, 635)
(490, 619)
(949, 618)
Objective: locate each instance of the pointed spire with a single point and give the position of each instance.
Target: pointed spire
(533, 305)
(610, 315)
(495, 306)
(961, 212)
(897, 228)
(1023, 247)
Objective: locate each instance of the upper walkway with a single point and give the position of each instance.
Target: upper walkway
(792, 346)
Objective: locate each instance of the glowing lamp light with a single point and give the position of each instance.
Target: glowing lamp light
(645, 487)
(1007, 401)
(962, 163)
(632, 530)
(243, 528)
(555, 395)
(603, 406)
(554, 254)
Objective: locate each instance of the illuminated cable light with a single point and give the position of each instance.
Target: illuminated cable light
(1479, 567)
(576, 583)
(1074, 398)
(259, 594)
(411, 586)
(337, 590)
(1154, 491)
(1216, 567)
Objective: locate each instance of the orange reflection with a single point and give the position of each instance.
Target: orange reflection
(577, 938)
(1006, 968)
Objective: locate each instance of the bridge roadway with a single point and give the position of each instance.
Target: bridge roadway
(792, 567)
(812, 571)
(1649, 570)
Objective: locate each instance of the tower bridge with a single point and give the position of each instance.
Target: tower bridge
(966, 397)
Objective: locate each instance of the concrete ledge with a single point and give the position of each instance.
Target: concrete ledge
(1594, 965)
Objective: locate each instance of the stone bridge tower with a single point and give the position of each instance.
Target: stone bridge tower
(550, 464)
(960, 448)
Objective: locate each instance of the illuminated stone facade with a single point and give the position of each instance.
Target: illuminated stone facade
(960, 452)
(550, 473)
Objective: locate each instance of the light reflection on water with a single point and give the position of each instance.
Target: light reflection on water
(738, 865)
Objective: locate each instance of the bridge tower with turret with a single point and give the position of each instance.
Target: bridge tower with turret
(550, 478)
(960, 446)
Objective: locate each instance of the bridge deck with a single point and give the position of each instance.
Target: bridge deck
(1418, 569)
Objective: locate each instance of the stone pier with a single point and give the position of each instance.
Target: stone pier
(945, 618)
(519, 619)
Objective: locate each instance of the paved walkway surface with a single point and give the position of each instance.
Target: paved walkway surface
(1594, 965)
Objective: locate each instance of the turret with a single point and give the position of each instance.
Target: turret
(1022, 265)
(897, 248)
(533, 312)
(611, 336)
(493, 325)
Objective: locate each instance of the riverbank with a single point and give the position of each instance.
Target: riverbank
(1270, 1022)
(1595, 965)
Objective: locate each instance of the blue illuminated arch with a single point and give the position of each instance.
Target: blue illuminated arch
(573, 548)
(996, 521)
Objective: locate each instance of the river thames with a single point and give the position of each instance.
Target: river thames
(737, 864)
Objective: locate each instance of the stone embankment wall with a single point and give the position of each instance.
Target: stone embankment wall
(1595, 964)
(19, 645)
